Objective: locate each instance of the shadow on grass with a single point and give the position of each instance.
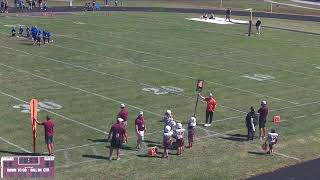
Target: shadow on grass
(94, 156)
(153, 142)
(235, 137)
(257, 153)
(238, 135)
(148, 156)
(97, 140)
(123, 147)
(22, 153)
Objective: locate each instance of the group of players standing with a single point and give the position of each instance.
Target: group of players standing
(37, 34)
(173, 132)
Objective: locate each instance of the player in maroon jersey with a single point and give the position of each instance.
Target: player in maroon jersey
(48, 132)
(119, 135)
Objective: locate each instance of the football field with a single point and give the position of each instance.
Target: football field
(151, 62)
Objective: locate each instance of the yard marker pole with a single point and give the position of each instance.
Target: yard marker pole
(198, 90)
(34, 115)
(195, 108)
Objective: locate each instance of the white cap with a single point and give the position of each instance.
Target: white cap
(179, 126)
(120, 119)
(167, 129)
(210, 94)
(168, 112)
(122, 105)
(193, 121)
(264, 102)
(140, 113)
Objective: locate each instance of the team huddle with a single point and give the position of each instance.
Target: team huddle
(36, 34)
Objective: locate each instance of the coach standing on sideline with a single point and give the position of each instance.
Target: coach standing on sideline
(48, 132)
(251, 122)
(118, 133)
(263, 113)
(211, 105)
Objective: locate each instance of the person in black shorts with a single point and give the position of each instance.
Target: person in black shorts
(119, 135)
(263, 113)
(251, 122)
(258, 26)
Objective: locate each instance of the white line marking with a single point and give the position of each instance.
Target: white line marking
(75, 147)
(103, 73)
(176, 58)
(12, 144)
(299, 117)
(64, 117)
(76, 88)
(315, 113)
(97, 143)
(181, 75)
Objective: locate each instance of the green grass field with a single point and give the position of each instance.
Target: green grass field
(93, 66)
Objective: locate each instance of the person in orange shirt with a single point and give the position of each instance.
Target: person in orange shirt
(211, 105)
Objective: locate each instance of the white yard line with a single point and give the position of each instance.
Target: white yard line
(107, 74)
(15, 145)
(76, 147)
(299, 117)
(315, 113)
(57, 114)
(194, 78)
(176, 59)
(177, 74)
(75, 88)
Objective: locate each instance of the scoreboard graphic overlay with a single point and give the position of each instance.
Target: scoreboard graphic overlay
(27, 167)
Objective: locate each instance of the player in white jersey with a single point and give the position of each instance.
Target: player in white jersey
(166, 141)
(272, 140)
(191, 130)
(167, 118)
(179, 135)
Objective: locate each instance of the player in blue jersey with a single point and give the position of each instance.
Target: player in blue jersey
(13, 31)
(20, 30)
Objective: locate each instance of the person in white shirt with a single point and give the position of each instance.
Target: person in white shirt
(167, 118)
(179, 136)
(167, 134)
(272, 140)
